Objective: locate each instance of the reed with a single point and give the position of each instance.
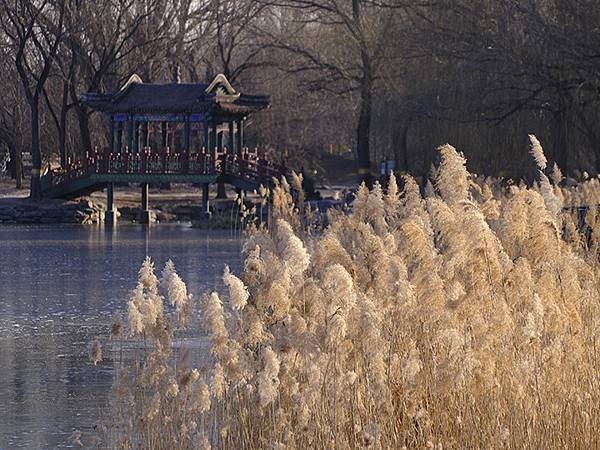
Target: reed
(465, 318)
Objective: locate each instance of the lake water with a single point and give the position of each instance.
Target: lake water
(60, 286)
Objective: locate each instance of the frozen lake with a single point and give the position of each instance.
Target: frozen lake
(60, 286)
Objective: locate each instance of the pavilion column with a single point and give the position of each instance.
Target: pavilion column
(130, 134)
(206, 144)
(237, 150)
(110, 197)
(136, 144)
(214, 140)
(205, 214)
(230, 148)
(145, 213)
(163, 131)
(111, 134)
(119, 137)
(186, 134)
(208, 149)
(221, 193)
(110, 215)
(145, 196)
(240, 136)
(146, 135)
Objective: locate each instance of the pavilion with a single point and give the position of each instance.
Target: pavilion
(174, 118)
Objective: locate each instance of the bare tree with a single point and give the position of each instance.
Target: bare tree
(11, 115)
(235, 48)
(103, 36)
(10, 133)
(339, 46)
(57, 98)
(534, 59)
(188, 40)
(386, 78)
(36, 31)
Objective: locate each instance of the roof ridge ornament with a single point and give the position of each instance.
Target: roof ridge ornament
(133, 79)
(222, 89)
(221, 79)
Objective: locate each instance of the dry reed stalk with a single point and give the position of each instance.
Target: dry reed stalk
(466, 319)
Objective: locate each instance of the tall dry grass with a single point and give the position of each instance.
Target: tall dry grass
(466, 319)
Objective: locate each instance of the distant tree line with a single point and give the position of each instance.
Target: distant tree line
(374, 79)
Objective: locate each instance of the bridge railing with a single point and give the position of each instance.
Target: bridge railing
(252, 167)
(166, 161)
(248, 165)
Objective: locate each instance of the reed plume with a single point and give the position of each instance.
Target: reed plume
(466, 318)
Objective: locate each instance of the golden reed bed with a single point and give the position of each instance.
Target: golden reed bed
(468, 318)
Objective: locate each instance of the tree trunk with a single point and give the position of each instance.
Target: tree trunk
(35, 192)
(363, 133)
(19, 167)
(62, 145)
(17, 164)
(400, 143)
(62, 129)
(84, 128)
(363, 130)
(561, 140)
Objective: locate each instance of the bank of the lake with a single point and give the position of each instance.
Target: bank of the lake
(49, 211)
(175, 204)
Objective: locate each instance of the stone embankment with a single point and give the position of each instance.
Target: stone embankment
(25, 211)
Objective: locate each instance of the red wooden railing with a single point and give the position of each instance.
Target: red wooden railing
(249, 165)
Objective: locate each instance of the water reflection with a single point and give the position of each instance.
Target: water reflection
(59, 287)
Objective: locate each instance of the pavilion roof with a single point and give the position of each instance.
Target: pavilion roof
(218, 97)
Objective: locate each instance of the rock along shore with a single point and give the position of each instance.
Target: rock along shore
(86, 211)
(24, 211)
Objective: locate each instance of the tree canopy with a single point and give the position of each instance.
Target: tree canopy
(367, 80)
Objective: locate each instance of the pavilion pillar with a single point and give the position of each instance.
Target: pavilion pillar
(230, 140)
(130, 133)
(144, 196)
(110, 215)
(221, 193)
(136, 144)
(164, 141)
(186, 134)
(145, 213)
(146, 135)
(206, 144)
(163, 132)
(111, 134)
(119, 137)
(240, 136)
(205, 201)
(209, 151)
(214, 141)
